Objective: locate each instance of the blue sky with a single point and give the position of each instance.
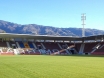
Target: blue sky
(57, 13)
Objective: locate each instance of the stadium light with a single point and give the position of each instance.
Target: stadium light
(83, 18)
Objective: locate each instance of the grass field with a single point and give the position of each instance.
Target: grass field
(44, 66)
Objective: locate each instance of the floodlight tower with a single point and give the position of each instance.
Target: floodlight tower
(83, 18)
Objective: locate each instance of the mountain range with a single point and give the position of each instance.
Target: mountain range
(9, 27)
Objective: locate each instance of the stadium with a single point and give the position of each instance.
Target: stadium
(51, 39)
(43, 56)
(27, 44)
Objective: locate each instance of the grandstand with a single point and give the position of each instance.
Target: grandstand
(27, 44)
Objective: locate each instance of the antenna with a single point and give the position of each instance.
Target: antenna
(83, 18)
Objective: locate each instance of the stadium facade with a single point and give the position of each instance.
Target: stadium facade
(27, 44)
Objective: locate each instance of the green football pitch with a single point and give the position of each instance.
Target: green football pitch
(46, 66)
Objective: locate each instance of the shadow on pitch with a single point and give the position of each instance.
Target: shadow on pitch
(74, 55)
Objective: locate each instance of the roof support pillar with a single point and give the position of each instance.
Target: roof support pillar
(102, 39)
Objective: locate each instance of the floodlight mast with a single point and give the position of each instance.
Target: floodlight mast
(83, 18)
